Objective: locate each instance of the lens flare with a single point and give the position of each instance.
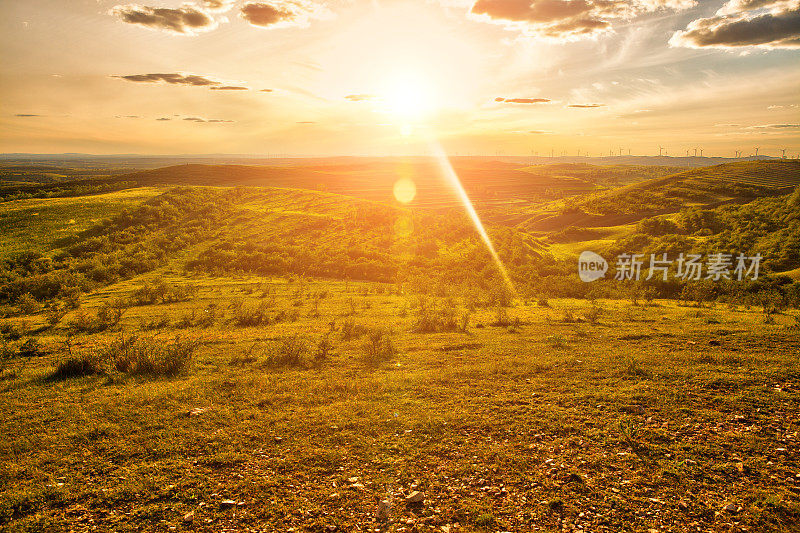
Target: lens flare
(450, 174)
(405, 190)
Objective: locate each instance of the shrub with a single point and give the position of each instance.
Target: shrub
(27, 304)
(432, 320)
(31, 348)
(323, 351)
(290, 351)
(107, 317)
(378, 348)
(54, 314)
(161, 322)
(10, 331)
(85, 364)
(162, 292)
(251, 317)
(149, 356)
(352, 330)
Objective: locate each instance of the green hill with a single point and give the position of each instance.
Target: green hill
(739, 182)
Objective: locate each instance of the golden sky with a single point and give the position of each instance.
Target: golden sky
(381, 77)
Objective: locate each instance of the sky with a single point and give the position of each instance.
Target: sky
(394, 77)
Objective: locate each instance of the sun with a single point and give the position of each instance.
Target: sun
(409, 97)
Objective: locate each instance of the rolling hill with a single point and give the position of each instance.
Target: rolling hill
(739, 182)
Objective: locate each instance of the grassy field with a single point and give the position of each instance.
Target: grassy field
(542, 416)
(37, 224)
(150, 380)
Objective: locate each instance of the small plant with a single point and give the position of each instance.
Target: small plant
(632, 367)
(378, 348)
(557, 341)
(323, 350)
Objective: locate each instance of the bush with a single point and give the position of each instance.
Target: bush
(432, 320)
(31, 348)
(351, 330)
(27, 304)
(82, 365)
(378, 348)
(149, 356)
(251, 317)
(107, 317)
(290, 351)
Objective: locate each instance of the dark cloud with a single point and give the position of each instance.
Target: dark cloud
(26, 115)
(586, 106)
(282, 13)
(779, 28)
(185, 20)
(230, 88)
(172, 78)
(522, 100)
(567, 19)
(359, 97)
(163, 118)
(127, 116)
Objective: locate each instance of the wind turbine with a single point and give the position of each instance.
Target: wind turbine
(701, 152)
(695, 152)
(660, 149)
(783, 153)
(687, 153)
(756, 151)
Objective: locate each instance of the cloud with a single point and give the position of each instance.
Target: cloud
(205, 120)
(773, 127)
(163, 118)
(541, 132)
(307, 122)
(230, 88)
(359, 97)
(127, 116)
(522, 100)
(586, 106)
(741, 23)
(185, 20)
(26, 115)
(283, 13)
(567, 20)
(266, 90)
(218, 6)
(172, 78)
